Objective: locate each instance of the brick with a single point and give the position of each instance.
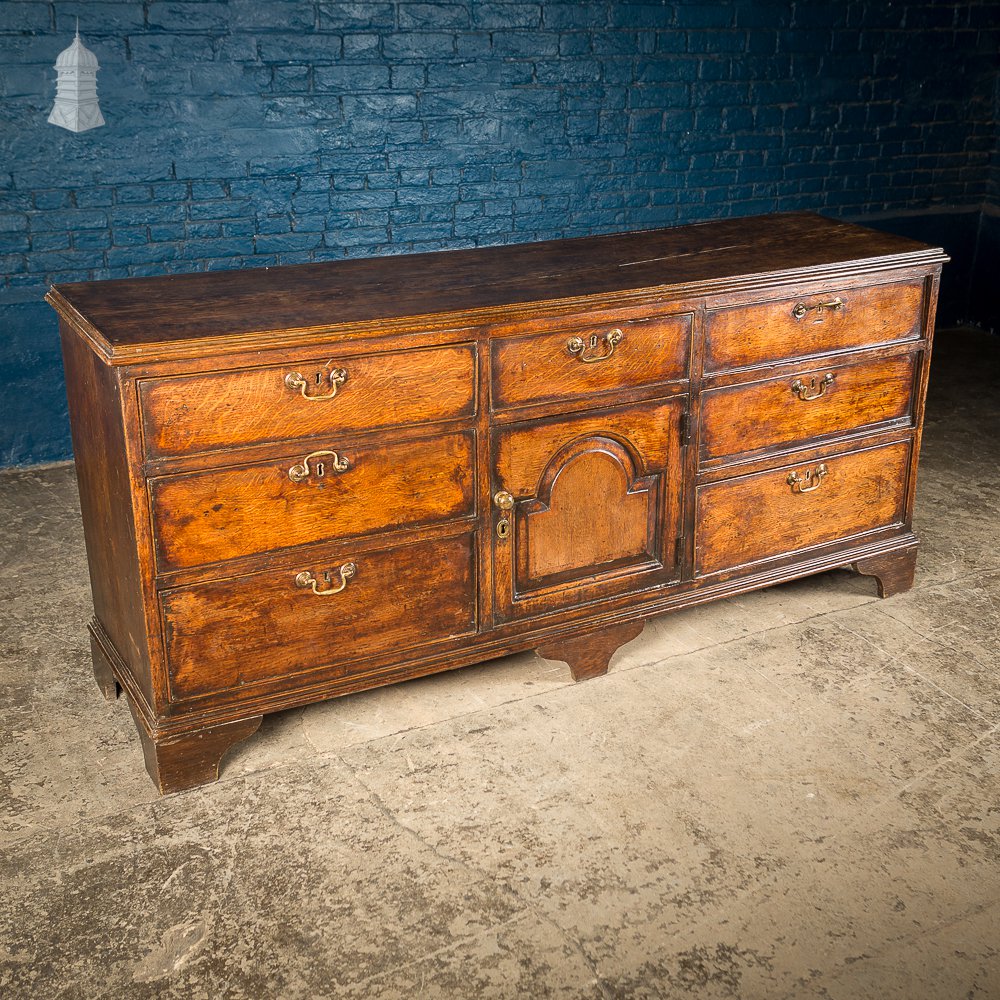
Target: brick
(92, 239)
(380, 106)
(186, 16)
(369, 16)
(129, 236)
(290, 15)
(21, 16)
(432, 16)
(507, 15)
(408, 77)
(574, 15)
(361, 46)
(177, 50)
(532, 45)
(14, 242)
(140, 215)
(350, 79)
(13, 223)
(419, 46)
(70, 219)
(300, 49)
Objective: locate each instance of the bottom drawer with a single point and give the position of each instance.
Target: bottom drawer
(274, 624)
(794, 507)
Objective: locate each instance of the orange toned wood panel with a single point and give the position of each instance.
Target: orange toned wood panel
(744, 418)
(540, 367)
(228, 409)
(223, 514)
(597, 507)
(593, 515)
(398, 598)
(744, 336)
(744, 520)
(524, 451)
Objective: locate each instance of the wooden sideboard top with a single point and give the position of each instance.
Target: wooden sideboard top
(175, 316)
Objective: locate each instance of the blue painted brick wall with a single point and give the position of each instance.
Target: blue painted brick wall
(265, 132)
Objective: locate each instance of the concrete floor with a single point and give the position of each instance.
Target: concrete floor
(792, 794)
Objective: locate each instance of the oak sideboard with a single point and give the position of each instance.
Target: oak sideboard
(306, 481)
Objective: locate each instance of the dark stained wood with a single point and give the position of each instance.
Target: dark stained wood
(539, 366)
(743, 336)
(639, 483)
(103, 672)
(742, 419)
(138, 317)
(756, 517)
(102, 472)
(176, 763)
(893, 571)
(226, 409)
(237, 511)
(589, 655)
(398, 598)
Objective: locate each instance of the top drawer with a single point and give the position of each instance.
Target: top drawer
(583, 360)
(192, 413)
(811, 324)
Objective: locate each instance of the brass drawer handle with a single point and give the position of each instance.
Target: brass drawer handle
(306, 579)
(300, 472)
(812, 389)
(576, 345)
(814, 479)
(801, 310)
(336, 378)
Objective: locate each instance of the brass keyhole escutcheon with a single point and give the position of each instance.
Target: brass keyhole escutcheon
(506, 504)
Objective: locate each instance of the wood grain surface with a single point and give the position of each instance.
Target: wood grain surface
(232, 408)
(211, 516)
(127, 317)
(743, 336)
(741, 419)
(754, 517)
(398, 598)
(540, 367)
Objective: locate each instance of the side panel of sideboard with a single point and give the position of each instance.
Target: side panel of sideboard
(95, 393)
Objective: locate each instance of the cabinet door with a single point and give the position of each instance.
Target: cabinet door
(586, 507)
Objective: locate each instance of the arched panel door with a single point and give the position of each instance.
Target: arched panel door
(586, 507)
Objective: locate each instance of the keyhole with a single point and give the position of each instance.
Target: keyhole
(320, 469)
(593, 340)
(319, 377)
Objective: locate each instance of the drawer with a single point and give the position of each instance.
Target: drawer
(584, 360)
(284, 622)
(206, 517)
(794, 507)
(812, 403)
(193, 413)
(813, 323)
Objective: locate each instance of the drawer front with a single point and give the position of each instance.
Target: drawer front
(212, 516)
(228, 409)
(813, 323)
(275, 624)
(813, 403)
(794, 507)
(582, 361)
